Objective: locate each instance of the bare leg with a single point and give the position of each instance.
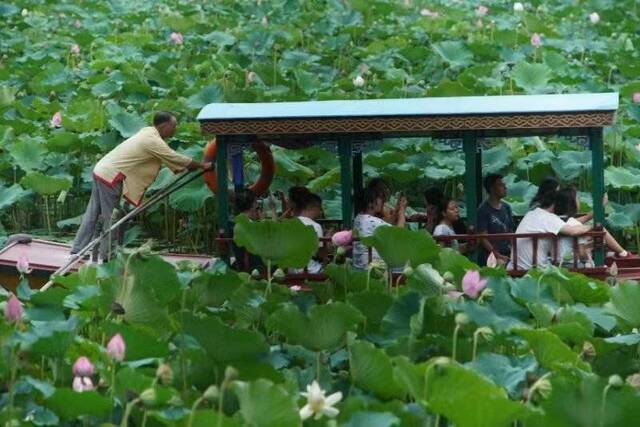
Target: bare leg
(612, 243)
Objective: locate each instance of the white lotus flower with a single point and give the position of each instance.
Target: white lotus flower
(518, 7)
(594, 18)
(318, 404)
(358, 81)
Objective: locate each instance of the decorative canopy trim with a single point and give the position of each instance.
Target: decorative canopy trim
(407, 125)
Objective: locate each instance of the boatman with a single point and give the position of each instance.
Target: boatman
(128, 170)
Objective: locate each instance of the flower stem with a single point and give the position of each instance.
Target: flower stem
(318, 366)
(604, 402)
(193, 410)
(455, 342)
(475, 344)
(127, 412)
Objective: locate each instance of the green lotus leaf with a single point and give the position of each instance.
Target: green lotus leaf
(533, 78)
(324, 328)
(624, 178)
(569, 165)
(454, 52)
(191, 197)
(372, 370)
(508, 372)
(69, 404)
(29, 154)
(224, 343)
(127, 123)
(448, 391)
(264, 404)
(373, 419)
(44, 184)
(7, 95)
(10, 195)
(551, 352)
(286, 243)
(287, 167)
(398, 246)
(496, 159)
(207, 95)
(625, 302)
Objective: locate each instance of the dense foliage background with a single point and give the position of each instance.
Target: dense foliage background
(107, 66)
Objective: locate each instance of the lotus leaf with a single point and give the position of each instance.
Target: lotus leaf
(399, 246)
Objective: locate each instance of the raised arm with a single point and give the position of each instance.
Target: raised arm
(575, 230)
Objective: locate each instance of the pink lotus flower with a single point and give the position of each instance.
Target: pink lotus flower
(636, 97)
(75, 49)
(13, 310)
(116, 348)
(176, 38)
(536, 40)
(482, 11)
(473, 284)
(22, 265)
(83, 367)
(342, 238)
(56, 120)
(82, 384)
(429, 13)
(295, 288)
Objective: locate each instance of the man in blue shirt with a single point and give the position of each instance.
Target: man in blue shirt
(494, 217)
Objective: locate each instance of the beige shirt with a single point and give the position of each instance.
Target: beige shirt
(137, 162)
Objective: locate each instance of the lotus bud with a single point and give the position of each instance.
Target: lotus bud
(588, 350)
(265, 21)
(482, 11)
(75, 49)
(518, 7)
(615, 381)
(251, 77)
(164, 373)
(634, 381)
(628, 45)
(363, 68)
(83, 367)
(22, 265)
(295, 288)
(230, 373)
(485, 332)
(486, 294)
(116, 348)
(429, 13)
(82, 384)
(358, 81)
(255, 274)
(594, 18)
(536, 40)
(176, 38)
(212, 393)
(24, 12)
(462, 319)
(342, 238)
(408, 270)
(448, 276)
(543, 387)
(13, 310)
(149, 396)
(77, 23)
(56, 120)
(278, 274)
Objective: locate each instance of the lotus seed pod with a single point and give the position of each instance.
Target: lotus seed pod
(212, 393)
(149, 397)
(616, 381)
(408, 270)
(165, 374)
(255, 274)
(462, 319)
(278, 274)
(543, 388)
(588, 350)
(448, 276)
(634, 381)
(230, 374)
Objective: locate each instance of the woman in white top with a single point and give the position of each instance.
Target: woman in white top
(542, 220)
(448, 214)
(566, 206)
(371, 204)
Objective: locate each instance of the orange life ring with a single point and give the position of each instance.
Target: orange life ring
(266, 173)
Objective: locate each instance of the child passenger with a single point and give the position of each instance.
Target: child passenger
(309, 209)
(448, 214)
(370, 207)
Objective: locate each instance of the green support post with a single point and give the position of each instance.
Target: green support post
(470, 182)
(358, 179)
(597, 186)
(222, 196)
(471, 177)
(346, 184)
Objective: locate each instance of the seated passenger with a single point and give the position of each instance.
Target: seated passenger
(550, 184)
(542, 220)
(448, 215)
(566, 207)
(370, 205)
(494, 217)
(291, 207)
(246, 202)
(310, 209)
(381, 187)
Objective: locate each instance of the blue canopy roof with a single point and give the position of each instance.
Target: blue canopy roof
(486, 115)
(508, 104)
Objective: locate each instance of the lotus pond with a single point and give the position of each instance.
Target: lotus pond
(141, 342)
